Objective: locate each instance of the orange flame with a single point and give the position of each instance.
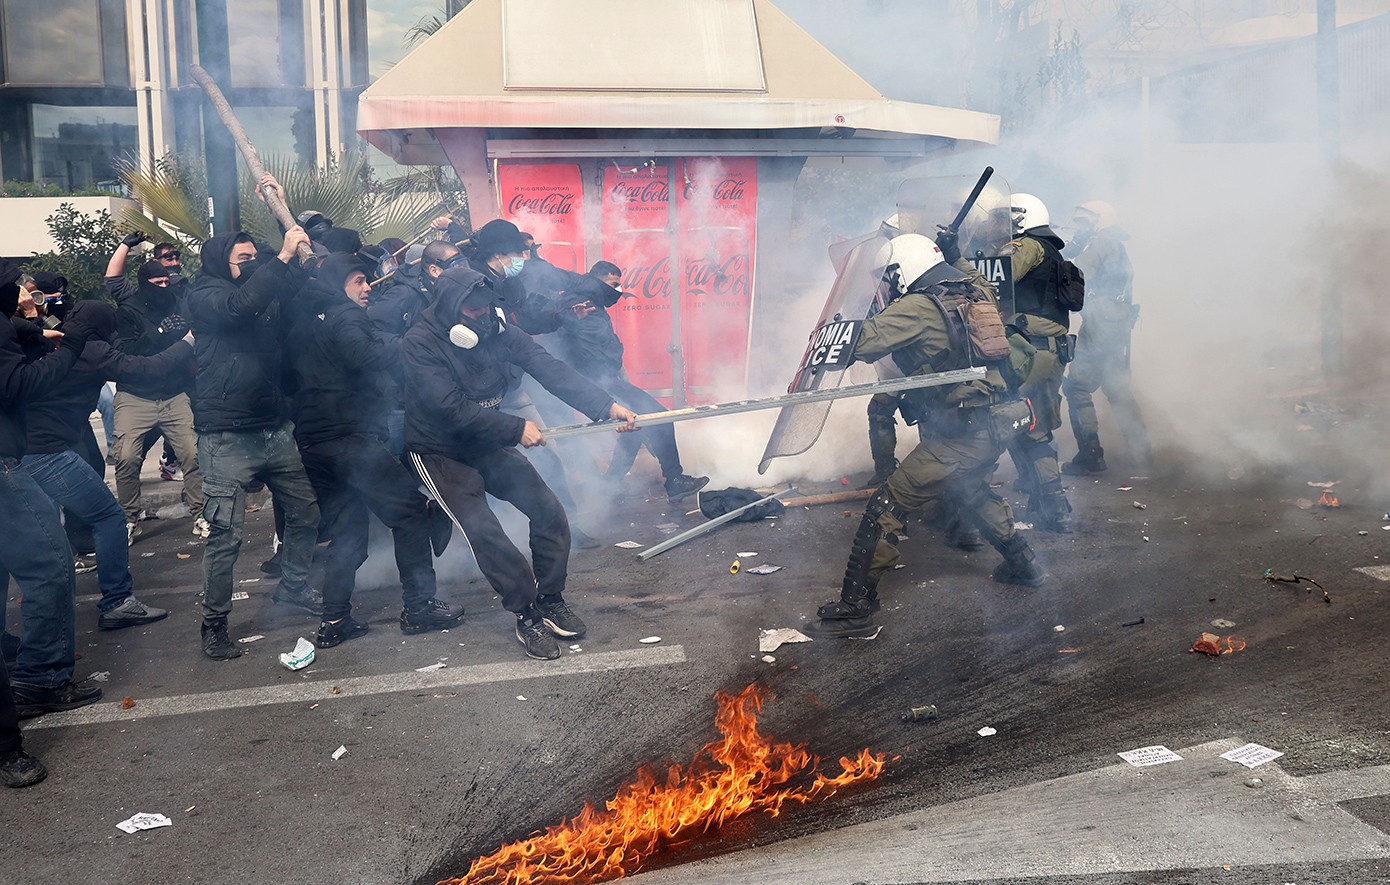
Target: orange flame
(1329, 500)
(1233, 643)
(743, 771)
(1210, 644)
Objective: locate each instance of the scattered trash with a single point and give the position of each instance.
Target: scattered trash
(575, 648)
(100, 677)
(1067, 651)
(873, 635)
(1329, 501)
(1254, 782)
(190, 809)
(1251, 755)
(920, 714)
(769, 659)
(771, 640)
(1022, 526)
(144, 821)
(899, 565)
(669, 528)
(1138, 506)
(173, 511)
(249, 581)
(1145, 756)
(1324, 485)
(437, 665)
(521, 697)
(146, 555)
(128, 703)
(1303, 504)
(1124, 488)
(1133, 623)
(1059, 628)
(313, 706)
(340, 752)
(650, 640)
(987, 731)
(239, 595)
(337, 690)
(1210, 644)
(747, 555)
(1222, 622)
(733, 569)
(765, 569)
(1146, 539)
(1272, 578)
(250, 638)
(628, 545)
(1363, 534)
(844, 480)
(184, 555)
(300, 657)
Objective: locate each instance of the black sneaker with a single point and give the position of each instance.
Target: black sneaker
(435, 614)
(309, 599)
(441, 527)
(336, 634)
(681, 487)
(19, 769)
(581, 541)
(35, 700)
(217, 644)
(559, 618)
(539, 643)
(131, 613)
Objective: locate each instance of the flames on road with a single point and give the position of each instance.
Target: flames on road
(743, 771)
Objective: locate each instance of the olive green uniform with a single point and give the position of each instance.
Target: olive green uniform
(1102, 350)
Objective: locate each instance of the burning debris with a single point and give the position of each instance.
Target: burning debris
(1329, 500)
(743, 771)
(1210, 644)
(1272, 578)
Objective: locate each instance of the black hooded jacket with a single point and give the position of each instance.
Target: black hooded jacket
(445, 385)
(400, 303)
(241, 341)
(339, 359)
(59, 418)
(590, 344)
(149, 321)
(536, 314)
(20, 379)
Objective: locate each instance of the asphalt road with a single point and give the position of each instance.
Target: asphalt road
(445, 765)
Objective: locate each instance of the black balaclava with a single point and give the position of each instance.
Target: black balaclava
(97, 314)
(160, 296)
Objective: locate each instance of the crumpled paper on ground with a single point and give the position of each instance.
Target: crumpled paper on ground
(771, 640)
(144, 821)
(301, 657)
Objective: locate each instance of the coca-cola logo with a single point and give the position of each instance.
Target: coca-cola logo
(706, 279)
(723, 190)
(651, 281)
(646, 191)
(554, 203)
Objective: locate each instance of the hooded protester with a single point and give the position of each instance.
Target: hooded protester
(241, 413)
(341, 239)
(60, 421)
(53, 289)
(459, 361)
(150, 318)
(35, 551)
(339, 423)
(1047, 288)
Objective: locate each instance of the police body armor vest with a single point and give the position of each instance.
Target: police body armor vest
(1036, 293)
(973, 326)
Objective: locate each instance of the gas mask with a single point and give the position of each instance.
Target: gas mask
(471, 332)
(515, 267)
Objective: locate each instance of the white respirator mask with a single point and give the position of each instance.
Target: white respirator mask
(464, 337)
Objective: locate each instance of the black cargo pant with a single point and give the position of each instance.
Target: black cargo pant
(462, 489)
(660, 439)
(355, 474)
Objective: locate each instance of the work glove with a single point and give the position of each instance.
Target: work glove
(948, 241)
(75, 335)
(174, 324)
(134, 238)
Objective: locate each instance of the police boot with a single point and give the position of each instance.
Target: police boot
(883, 445)
(1090, 461)
(962, 535)
(1053, 511)
(1019, 565)
(852, 614)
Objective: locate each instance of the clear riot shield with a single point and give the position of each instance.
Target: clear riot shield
(926, 204)
(823, 366)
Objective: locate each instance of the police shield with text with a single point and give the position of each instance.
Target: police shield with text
(943, 316)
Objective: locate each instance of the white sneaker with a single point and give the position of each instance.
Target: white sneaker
(132, 531)
(201, 528)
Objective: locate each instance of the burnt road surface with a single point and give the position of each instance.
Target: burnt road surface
(446, 764)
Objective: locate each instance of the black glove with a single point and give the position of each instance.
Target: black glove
(75, 336)
(948, 241)
(174, 324)
(134, 238)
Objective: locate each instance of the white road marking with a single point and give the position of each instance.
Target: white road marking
(359, 686)
(1379, 572)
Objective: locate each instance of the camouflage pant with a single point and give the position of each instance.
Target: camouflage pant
(1106, 371)
(1035, 457)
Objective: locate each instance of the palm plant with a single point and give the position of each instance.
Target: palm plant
(429, 25)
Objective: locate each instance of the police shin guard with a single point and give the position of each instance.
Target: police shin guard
(1019, 565)
(852, 614)
(883, 445)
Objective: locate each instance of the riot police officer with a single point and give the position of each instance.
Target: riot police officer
(944, 316)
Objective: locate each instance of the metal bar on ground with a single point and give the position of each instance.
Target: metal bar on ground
(707, 526)
(912, 382)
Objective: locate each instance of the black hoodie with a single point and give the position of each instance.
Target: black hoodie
(58, 419)
(18, 378)
(339, 359)
(241, 341)
(446, 386)
(150, 321)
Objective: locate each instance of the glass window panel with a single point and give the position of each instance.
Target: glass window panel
(77, 146)
(34, 29)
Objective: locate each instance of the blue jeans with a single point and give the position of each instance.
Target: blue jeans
(72, 482)
(36, 553)
(230, 461)
(108, 419)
